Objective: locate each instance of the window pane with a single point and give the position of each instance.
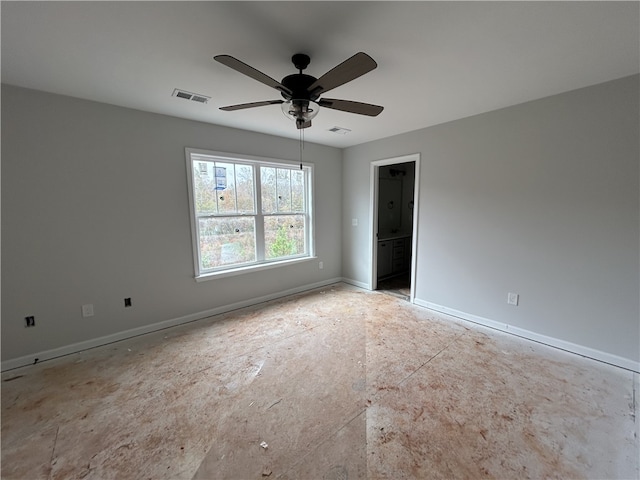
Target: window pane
(227, 241)
(225, 176)
(297, 191)
(204, 188)
(284, 190)
(244, 189)
(268, 185)
(284, 235)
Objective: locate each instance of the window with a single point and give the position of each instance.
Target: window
(247, 212)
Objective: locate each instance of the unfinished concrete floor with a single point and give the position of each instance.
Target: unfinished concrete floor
(340, 383)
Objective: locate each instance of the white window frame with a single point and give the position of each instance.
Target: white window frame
(193, 156)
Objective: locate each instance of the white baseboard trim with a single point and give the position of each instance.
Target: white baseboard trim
(356, 283)
(605, 357)
(154, 327)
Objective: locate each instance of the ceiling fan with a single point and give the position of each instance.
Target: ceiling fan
(302, 92)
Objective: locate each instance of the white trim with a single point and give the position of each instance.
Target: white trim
(373, 219)
(254, 267)
(414, 233)
(588, 352)
(356, 283)
(598, 355)
(195, 250)
(134, 332)
(239, 157)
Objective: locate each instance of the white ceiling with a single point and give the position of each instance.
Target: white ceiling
(437, 61)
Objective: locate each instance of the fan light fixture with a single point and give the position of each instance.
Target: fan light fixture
(300, 110)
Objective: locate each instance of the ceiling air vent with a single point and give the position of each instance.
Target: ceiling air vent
(339, 130)
(196, 97)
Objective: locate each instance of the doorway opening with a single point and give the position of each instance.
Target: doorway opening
(393, 238)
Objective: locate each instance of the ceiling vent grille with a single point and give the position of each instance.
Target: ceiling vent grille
(195, 97)
(339, 130)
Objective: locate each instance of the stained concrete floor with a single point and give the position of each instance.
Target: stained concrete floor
(340, 383)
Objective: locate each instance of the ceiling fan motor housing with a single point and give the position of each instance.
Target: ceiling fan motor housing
(298, 101)
(299, 84)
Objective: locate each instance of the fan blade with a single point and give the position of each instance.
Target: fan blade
(352, 107)
(348, 70)
(249, 71)
(301, 124)
(241, 106)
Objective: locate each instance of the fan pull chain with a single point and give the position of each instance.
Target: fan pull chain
(301, 145)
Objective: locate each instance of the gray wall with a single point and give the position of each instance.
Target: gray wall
(541, 199)
(95, 209)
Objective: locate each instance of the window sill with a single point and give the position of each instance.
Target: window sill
(250, 269)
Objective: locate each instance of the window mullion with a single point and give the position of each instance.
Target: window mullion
(259, 217)
(260, 250)
(307, 207)
(290, 192)
(277, 199)
(235, 188)
(215, 187)
(198, 252)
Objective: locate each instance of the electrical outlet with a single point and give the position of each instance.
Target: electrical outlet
(87, 310)
(30, 321)
(512, 298)
(320, 265)
(127, 302)
(354, 222)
